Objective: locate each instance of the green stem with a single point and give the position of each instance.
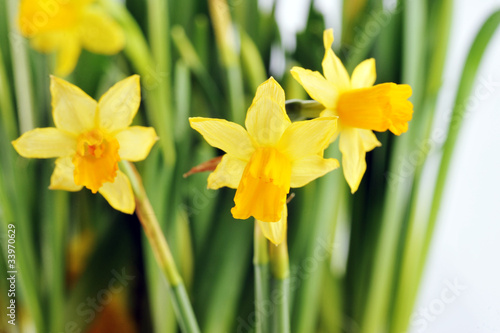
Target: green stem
(221, 19)
(22, 78)
(161, 250)
(159, 37)
(154, 74)
(252, 63)
(236, 95)
(136, 48)
(414, 30)
(280, 271)
(6, 104)
(362, 45)
(261, 267)
(55, 255)
(193, 61)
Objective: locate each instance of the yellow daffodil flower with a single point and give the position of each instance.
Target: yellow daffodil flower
(360, 106)
(65, 27)
(90, 138)
(268, 158)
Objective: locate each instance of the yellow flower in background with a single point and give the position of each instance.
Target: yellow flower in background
(67, 26)
(90, 138)
(360, 106)
(268, 158)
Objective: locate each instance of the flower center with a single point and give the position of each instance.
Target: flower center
(96, 160)
(263, 187)
(380, 108)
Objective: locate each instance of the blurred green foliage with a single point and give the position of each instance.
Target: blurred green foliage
(69, 244)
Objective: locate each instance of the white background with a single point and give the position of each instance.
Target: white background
(461, 287)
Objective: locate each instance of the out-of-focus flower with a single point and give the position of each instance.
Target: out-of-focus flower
(65, 27)
(360, 106)
(270, 156)
(90, 138)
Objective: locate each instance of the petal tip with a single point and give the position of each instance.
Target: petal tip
(15, 144)
(54, 79)
(295, 71)
(135, 77)
(271, 79)
(354, 184)
(129, 211)
(270, 83)
(334, 163)
(328, 38)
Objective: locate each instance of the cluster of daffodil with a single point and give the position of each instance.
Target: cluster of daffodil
(94, 142)
(262, 162)
(273, 155)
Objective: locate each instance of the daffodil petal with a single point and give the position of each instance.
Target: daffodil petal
(118, 106)
(45, 143)
(72, 109)
(317, 86)
(353, 157)
(309, 168)
(225, 135)
(330, 113)
(369, 139)
(67, 55)
(266, 118)
(364, 75)
(308, 137)
(264, 186)
(228, 173)
(136, 142)
(40, 16)
(47, 42)
(333, 68)
(99, 33)
(63, 176)
(275, 231)
(119, 194)
(84, 2)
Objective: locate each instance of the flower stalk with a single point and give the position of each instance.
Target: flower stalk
(280, 270)
(161, 250)
(261, 272)
(22, 76)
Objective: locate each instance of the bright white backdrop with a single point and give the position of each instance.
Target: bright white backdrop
(461, 285)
